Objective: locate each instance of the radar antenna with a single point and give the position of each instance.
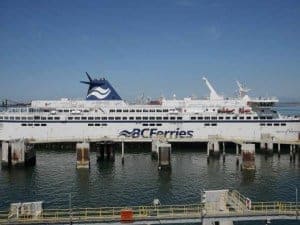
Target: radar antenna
(243, 90)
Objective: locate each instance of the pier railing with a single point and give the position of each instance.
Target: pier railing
(150, 213)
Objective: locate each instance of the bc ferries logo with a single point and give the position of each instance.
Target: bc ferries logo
(99, 92)
(148, 133)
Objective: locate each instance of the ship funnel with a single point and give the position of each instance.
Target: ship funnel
(100, 89)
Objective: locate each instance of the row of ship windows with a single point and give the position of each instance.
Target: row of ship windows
(138, 118)
(272, 124)
(33, 124)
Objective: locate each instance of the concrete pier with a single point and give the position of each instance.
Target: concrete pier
(214, 148)
(267, 147)
(17, 153)
(83, 155)
(162, 150)
(248, 156)
(105, 150)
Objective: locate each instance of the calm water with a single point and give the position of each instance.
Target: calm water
(138, 181)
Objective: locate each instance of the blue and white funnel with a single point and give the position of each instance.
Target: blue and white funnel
(100, 90)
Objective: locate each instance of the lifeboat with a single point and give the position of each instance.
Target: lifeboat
(243, 110)
(225, 110)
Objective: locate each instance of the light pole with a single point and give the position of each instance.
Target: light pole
(296, 203)
(70, 207)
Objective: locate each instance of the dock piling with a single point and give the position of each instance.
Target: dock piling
(83, 155)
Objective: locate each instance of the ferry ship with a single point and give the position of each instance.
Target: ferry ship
(103, 114)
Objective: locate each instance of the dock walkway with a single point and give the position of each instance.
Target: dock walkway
(237, 209)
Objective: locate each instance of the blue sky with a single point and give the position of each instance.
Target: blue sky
(151, 47)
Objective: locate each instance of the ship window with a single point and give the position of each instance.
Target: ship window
(269, 124)
(37, 124)
(145, 124)
(97, 124)
(262, 117)
(43, 124)
(152, 124)
(158, 118)
(221, 117)
(166, 118)
(1, 118)
(111, 110)
(152, 118)
(131, 118)
(132, 110)
(24, 124)
(70, 118)
(43, 118)
(56, 118)
(227, 117)
(46, 110)
(30, 124)
(30, 118)
(234, 118)
(11, 118)
(104, 118)
(119, 110)
(49, 118)
(124, 118)
(207, 118)
(90, 124)
(125, 110)
(145, 118)
(262, 124)
(86, 110)
(77, 118)
(66, 110)
(283, 124)
(111, 118)
(37, 117)
(97, 118)
(214, 118)
(6, 117)
(269, 117)
(24, 118)
(138, 118)
(104, 124)
(248, 118)
(206, 124)
(158, 124)
(200, 118)
(83, 118)
(165, 110)
(158, 110)
(214, 124)
(152, 110)
(90, 118)
(241, 117)
(193, 118)
(179, 118)
(172, 118)
(255, 118)
(17, 118)
(59, 110)
(138, 110)
(276, 124)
